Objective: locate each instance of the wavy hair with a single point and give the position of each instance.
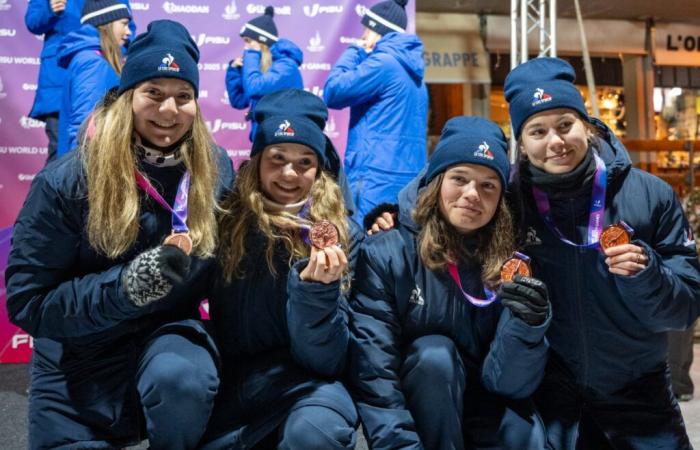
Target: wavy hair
(439, 243)
(244, 213)
(113, 196)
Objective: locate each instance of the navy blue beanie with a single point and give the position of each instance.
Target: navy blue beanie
(262, 29)
(470, 140)
(291, 116)
(538, 85)
(386, 17)
(165, 50)
(102, 12)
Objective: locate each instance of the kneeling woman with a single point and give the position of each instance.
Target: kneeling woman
(278, 302)
(436, 359)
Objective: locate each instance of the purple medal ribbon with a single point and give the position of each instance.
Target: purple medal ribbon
(179, 210)
(595, 217)
(479, 302)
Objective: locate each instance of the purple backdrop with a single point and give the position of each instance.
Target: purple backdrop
(321, 29)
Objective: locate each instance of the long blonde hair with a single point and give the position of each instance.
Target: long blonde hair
(244, 212)
(113, 197)
(439, 243)
(111, 50)
(265, 58)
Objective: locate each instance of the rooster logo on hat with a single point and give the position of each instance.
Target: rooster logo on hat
(484, 151)
(285, 129)
(168, 63)
(540, 96)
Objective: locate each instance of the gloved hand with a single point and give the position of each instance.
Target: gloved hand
(152, 274)
(527, 299)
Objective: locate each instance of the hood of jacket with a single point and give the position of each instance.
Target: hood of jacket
(408, 51)
(86, 37)
(284, 48)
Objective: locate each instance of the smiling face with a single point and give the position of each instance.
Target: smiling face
(287, 172)
(469, 196)
(164, 110)
(121, 31)
(555, 141)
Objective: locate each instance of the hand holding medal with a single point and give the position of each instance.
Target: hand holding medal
(622, 257)
(518, 264)
(327, 261)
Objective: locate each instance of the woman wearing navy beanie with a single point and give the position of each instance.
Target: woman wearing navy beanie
(615, 292)
(444, 355)
(93, 57)
(108, 260)
(277, 298)
(269, 63)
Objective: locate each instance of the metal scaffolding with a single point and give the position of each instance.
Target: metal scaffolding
(532, 16)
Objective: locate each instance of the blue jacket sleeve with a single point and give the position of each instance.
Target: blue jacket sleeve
(356, 78)
(39, 17)
(44, 296)
(515, 364)
(255, 83)
(317, 317)
(666, 294)
(90, 79)
(234, 87)
(375, 358)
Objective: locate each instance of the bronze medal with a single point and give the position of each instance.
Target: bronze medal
(323, 234)
(517, 264)
(180, 240)
(614, 235)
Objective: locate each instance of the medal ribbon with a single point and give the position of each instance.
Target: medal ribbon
(595, 217)
(179, 209)
(479, 302)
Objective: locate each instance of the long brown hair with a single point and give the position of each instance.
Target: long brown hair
(439, 243)
(244, 212)
(113, 197)
(265, 58)
(111, 50)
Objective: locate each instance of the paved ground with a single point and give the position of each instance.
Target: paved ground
(13, 407)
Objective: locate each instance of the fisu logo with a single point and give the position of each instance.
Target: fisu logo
(315, 45)
(220, 125)
(231, 11)
(217, 40)
(140, 6)
(7, 32)
(22, 339)
(315, 9)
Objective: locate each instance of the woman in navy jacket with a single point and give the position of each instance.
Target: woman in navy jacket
(437, 361)
(93, 58)
(109, 298)
(277, 303)
(269, 63)
(606, 384)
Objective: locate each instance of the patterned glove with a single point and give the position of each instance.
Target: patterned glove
(151, 275)
(527, 299)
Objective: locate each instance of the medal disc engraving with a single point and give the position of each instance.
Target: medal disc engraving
(181, 241)
(323, 234)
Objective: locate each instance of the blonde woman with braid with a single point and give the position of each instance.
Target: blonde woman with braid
(93, 58)
(107, 262)
(278, 302)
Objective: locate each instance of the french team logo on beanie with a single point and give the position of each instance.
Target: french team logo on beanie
(484, 151)
(168, 64)
(540, 97)
(285, 129)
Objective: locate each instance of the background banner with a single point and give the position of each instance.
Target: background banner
(322, 30)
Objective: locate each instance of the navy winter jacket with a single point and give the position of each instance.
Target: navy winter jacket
(610, 329)
(247, 84)
(280, 338)
(89, 77)
(396, 300)
(388, 104)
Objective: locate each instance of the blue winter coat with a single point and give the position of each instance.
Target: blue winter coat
(246, 85)
(280, 338)
(40, 20)
(396, 300)
(388, 116)
(69, 297)
(89, 77)
(610, 330)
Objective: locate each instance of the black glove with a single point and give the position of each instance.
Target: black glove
(151, 275)
(527, 299)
